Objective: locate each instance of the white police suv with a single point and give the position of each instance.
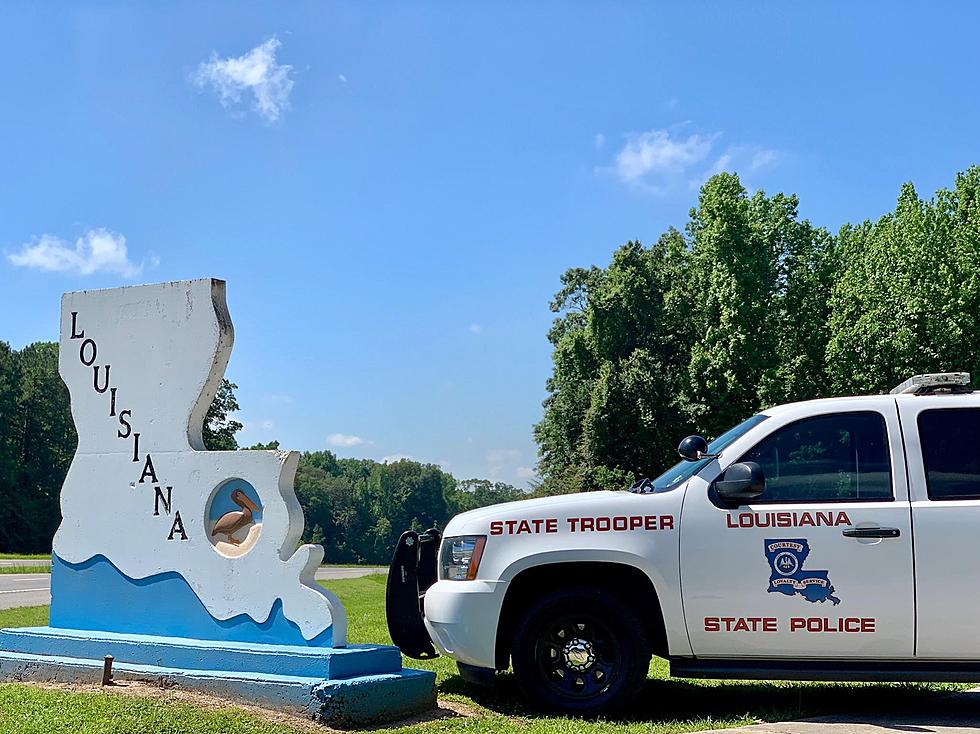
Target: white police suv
(832, 539)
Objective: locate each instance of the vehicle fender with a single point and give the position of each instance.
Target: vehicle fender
(665, 586)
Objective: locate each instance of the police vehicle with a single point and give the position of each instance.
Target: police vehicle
(832, 539)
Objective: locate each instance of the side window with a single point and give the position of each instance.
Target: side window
(829, 458)
(952, 464)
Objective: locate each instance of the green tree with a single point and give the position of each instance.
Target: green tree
(733, 274)
(469, 494)
(760, 284)
(271, 446)
(694, 333)
(220, 429)
(11, 431)
(619, 353)
(37, 443)
(907, 296)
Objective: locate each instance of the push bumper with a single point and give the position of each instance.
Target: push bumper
(460, 617)
(412, 571)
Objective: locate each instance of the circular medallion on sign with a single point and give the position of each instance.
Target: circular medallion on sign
(786, 563)
(234, 518)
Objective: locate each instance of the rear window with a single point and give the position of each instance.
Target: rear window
(949, 437)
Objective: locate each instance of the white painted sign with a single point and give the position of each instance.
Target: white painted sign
(143, 365)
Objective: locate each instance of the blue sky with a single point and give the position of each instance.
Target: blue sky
(393, 190)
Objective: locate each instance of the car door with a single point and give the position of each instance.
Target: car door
(942, 434)
(818, 566)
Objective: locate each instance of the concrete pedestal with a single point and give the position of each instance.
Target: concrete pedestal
(354, 685)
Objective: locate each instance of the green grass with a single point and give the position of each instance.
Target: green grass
(665, 706)
(25, 569)
(24, 617)
(25, 556)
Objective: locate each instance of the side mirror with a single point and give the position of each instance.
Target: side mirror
(741, 483)
(694, 448)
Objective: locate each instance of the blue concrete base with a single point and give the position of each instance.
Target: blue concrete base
(355, 685)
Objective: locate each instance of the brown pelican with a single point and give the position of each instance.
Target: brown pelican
(231, 522)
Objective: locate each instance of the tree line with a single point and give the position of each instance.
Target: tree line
(355, 508)
(751, 306)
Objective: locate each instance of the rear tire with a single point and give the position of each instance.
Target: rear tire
(580, 651)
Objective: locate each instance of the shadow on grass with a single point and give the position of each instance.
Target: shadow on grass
(668, 701)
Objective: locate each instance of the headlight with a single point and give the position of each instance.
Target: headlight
(460, 557)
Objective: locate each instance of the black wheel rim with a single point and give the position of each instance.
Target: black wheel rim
(577, 656)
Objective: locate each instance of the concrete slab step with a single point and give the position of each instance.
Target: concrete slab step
(341, 702)
(185, 653)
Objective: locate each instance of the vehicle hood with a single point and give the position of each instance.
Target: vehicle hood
(475, 521)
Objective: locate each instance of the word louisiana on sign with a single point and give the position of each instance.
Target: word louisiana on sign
(174, 538)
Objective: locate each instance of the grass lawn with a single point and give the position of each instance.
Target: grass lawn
(25, 556)
(665, 706)
(25, 569)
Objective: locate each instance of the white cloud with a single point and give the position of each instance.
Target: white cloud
(742, 159)
(475, 328)
(344, 440)
(600, 140)
(525, 472)
(503, 456)
(660, 160)
(656, 152)
(98, 250)
(502, 462)
(763, 159)
(723, 163)
(342, 78)
(672, 103)
(255, 73)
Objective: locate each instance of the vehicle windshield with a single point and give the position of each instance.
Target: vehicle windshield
(684, 470)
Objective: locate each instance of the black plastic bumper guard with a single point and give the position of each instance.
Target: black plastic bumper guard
(414, 568)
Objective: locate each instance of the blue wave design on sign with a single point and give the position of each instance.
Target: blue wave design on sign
(95, 595)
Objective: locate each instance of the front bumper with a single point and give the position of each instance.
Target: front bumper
(461, 619)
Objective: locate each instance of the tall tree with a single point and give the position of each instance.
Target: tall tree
(219, 428)
(619, 352)
(11, 430)
(906, 300)
(695, 333)
(733, 273)
(799, 306)
(469, 494)
(39, 431)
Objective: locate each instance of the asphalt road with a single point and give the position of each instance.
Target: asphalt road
(29, 590)
(24, 589)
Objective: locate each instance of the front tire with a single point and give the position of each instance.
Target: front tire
(580, 651)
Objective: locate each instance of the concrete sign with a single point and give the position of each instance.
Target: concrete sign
(185, 563)
(143, 498)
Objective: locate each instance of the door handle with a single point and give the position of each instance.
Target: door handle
(871, 533)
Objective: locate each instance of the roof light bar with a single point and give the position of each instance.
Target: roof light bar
(927, 383)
